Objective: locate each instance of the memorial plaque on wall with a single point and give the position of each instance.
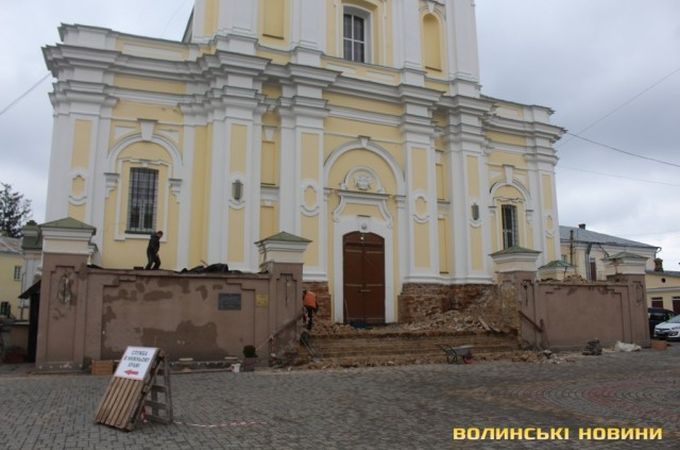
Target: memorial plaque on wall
(229, 302)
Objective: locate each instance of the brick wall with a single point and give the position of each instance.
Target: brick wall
(419, 301)
(323, 297)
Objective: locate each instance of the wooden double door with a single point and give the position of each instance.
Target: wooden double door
(364, 278)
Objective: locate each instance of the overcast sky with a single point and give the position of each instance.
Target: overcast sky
(582, 58)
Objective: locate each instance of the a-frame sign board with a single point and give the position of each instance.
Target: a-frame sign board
(142, 371)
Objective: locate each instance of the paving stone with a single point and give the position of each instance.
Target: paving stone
(372, 408)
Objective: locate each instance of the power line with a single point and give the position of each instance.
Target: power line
(624, 104)
(15, 101)
(616, 176)
(172, 17)
(625, 152)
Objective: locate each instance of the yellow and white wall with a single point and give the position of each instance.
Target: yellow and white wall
(402, 146)
(11, 263)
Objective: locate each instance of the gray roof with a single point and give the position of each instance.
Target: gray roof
(10, 245)
(593, 237)
(515, 250)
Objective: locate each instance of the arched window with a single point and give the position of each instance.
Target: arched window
(356, 34)
(432, 53)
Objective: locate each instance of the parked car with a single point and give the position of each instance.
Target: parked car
(668, 330)
(657, 316)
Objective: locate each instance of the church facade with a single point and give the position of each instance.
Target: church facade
(356, 124)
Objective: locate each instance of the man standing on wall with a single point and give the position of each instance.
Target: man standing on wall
(152, 251)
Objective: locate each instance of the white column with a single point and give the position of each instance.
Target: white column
(60, 162)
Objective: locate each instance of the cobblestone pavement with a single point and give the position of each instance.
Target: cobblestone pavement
(400, 407)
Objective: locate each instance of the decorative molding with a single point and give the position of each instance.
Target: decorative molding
(147, 126)
(420, 195)
(376, 200)
(175, 187)
(363, 179)
(111, 179)
(233, 203)
(314, 209)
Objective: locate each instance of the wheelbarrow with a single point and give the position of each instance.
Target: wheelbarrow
(457, 355)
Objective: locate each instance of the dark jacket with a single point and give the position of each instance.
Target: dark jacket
(154, 244)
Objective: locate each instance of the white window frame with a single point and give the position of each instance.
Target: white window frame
(514, 227)
(17, 273)
(368, 41)
(130, 229)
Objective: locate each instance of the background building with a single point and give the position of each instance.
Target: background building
(356, 124)
(11, 263)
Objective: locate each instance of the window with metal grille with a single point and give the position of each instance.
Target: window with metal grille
(510, 235)
(17, 273)
(355, 35)
(142, 201)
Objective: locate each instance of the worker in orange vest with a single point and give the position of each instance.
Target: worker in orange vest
(310, 305)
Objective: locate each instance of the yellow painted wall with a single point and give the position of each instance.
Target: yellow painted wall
(476, 249)
(419, 173)
(363, 104)
(76, 211)
(200, 186)
(431, 42)
(421, 243)
(78, 186)
(10, 288)
(132, 252)
(269, 220)
(443, 245)
(82, 135)
(358, 127)
(550, 243)
(441, 182)
(506, 138)
(236, 230)
(333, 141)
(546, 185)
(500, 158)
(135, 110)
(274, 19)
(310, 230)
(473, 175)
(310, 156)
(148, 84)
(238, 147)
(212, 10)
(269, 167)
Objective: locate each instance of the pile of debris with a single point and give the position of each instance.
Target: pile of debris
(495, 311)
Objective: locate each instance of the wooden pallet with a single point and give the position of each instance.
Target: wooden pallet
(125, 399)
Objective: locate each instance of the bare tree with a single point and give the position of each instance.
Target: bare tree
(15, 210)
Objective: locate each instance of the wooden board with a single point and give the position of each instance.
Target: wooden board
(125, 398)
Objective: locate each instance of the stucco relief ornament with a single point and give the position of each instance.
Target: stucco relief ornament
(363, 181)
(64, 294)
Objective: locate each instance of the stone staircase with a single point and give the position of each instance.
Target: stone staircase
(375, 348)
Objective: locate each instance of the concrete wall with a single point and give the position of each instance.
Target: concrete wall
(101, 311)
(566, 315)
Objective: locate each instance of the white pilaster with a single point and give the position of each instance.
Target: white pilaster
(407, 41)
(308, 31)
(463, 55)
